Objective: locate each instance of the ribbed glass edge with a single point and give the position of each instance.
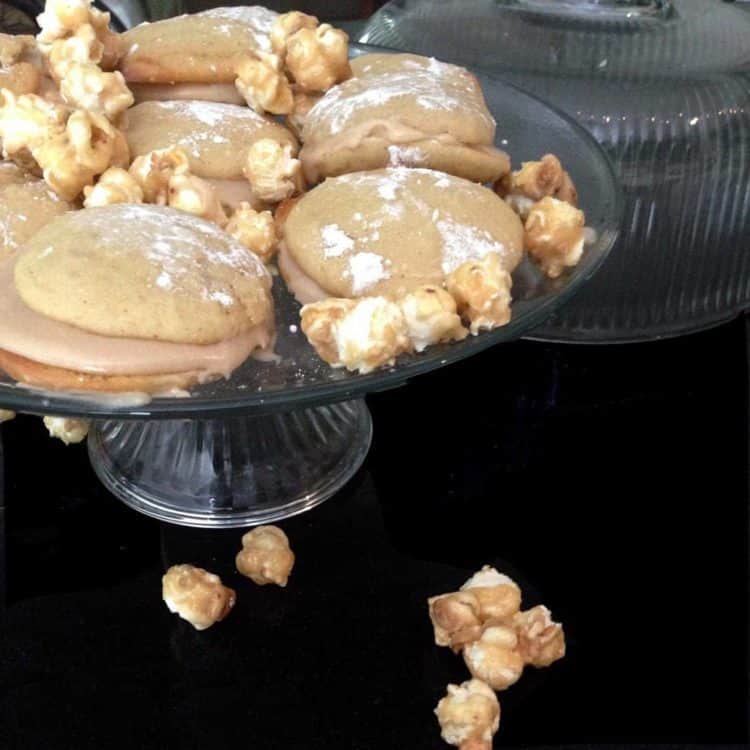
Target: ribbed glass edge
(599, 337)
(106, 467)
(602, 9)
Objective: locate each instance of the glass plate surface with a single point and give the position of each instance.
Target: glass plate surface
(664, 87)
(300, 379)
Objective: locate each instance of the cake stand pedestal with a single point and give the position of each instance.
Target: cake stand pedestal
(240, 471)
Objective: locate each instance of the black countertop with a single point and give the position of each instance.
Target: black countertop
(610, 482)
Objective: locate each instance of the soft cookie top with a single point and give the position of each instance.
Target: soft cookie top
(215, 136)
(26, 205)
(198, 48)
(393, 230)
(403, 110)
(144, 272)
(419, 92)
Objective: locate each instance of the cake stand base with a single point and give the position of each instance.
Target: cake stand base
(239, 471)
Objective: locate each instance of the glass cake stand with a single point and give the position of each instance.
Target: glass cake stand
(280, 437)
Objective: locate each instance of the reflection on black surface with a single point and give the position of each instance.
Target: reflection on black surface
(610, 482)
(64, 533)
(614, 480)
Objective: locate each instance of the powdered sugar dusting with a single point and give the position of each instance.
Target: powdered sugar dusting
(399, 174)
(224, 299)
(396, 210)
(405, 155)
(212, 114)
(366, 270)
(335, 241)
(182, 249)
(255, 19)
(387, 190)
(388, 184)
(199, 124)
(164, 280)
(463, 243)
(431, 84)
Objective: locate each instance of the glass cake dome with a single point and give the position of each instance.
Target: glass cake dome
(665, 89)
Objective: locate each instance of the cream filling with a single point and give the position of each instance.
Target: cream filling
(305, 289)
(233, 192)
(207, 92)
(41, 339)
(392, 131)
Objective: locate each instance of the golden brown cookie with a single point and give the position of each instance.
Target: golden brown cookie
(216, 138)
(131, 297)
(26, 205)
(194, 56)
(193, 282)
(403, 110)
(391, 231)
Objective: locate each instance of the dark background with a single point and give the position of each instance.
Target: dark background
(610, 482)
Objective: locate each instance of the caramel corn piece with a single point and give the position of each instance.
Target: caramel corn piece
(154, 170)
(541, 641)
(114, 186)
(67, 429)
(318, 58)
(455, 618)
(499, 596)
(495, 657)
(256, 230)
(266, 556)
(431, 317)
(482, 292)
(286, 25)
(262, 83)
(196, 595)
(554, 235)
(469, 715)
(360, 335)
(196, 196)
(272, 171)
